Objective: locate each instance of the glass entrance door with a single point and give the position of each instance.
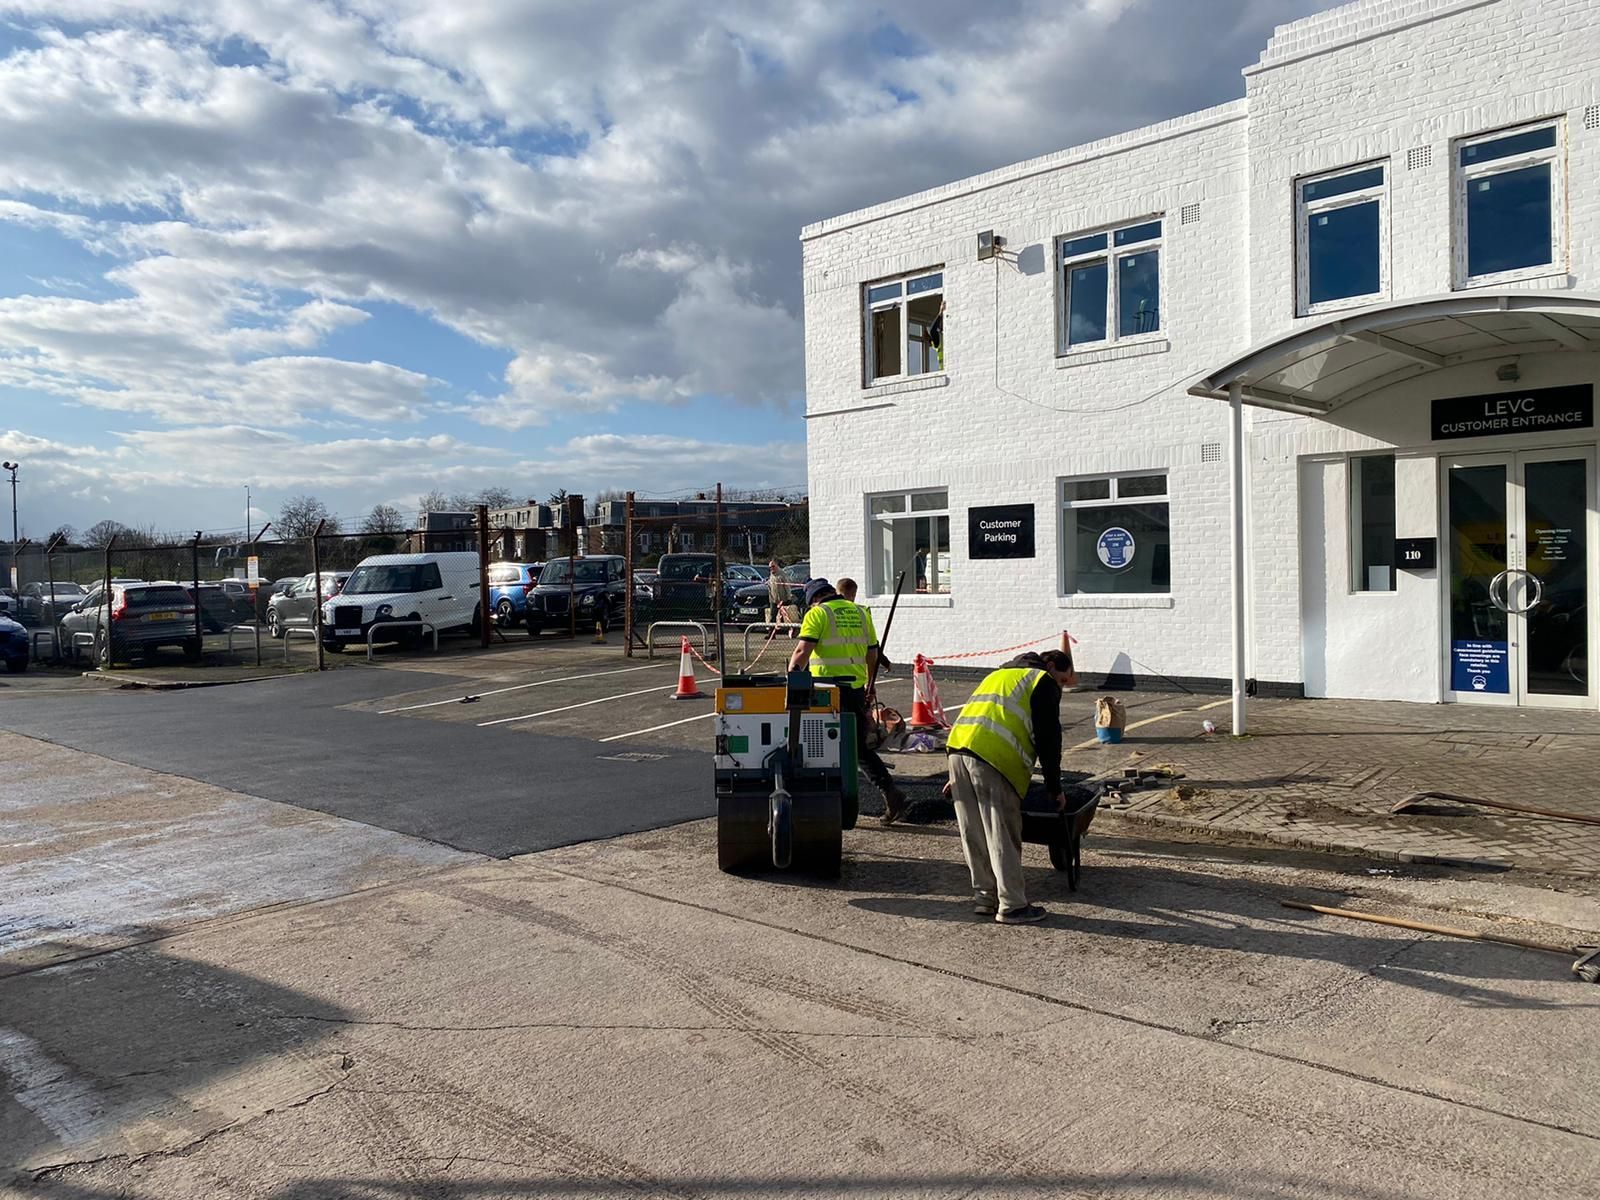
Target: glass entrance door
(1518, 534)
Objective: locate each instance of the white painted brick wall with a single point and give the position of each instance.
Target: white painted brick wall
(1009, 419)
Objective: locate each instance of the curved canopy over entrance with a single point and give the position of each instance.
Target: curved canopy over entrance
(1318, 368)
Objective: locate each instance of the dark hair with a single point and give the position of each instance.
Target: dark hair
(1057, 660)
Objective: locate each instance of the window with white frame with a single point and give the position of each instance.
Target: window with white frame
(1372, 523)
(905, 326)
(1509, 192)
(910, 532)
(1342, 236)
(1115, 535)
(1110, 285)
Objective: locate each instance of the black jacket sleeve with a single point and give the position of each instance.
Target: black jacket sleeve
(1045, 707)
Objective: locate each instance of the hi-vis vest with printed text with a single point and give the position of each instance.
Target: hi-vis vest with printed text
(997, 724)
(842, 652)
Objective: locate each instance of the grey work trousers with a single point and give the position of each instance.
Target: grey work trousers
(989, 812)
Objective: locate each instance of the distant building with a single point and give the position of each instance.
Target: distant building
(441, 531)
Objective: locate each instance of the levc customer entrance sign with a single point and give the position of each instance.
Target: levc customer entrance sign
(1000, 531)
(1539, 410)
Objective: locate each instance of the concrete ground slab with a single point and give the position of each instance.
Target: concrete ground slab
(621, 1019)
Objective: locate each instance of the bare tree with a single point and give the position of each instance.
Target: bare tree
(99, 535)
(67, 534)
(495, 497)
(434, 501)
(298, 517)
(384, 518)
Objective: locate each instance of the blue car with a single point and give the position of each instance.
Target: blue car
(509, 585)
(13, 645)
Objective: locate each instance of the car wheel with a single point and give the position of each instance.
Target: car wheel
(505, 613)
(17, 665)
(274, 629)
(102, 649)
(192, 649)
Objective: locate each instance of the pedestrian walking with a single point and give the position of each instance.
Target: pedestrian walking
(1012, 718)
(777, 594)
(840, 636)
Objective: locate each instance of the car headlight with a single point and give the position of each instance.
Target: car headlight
(586, 601)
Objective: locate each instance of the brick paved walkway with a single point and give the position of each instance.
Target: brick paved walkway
(1321, 774)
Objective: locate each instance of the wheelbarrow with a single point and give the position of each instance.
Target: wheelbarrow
(1060, 831)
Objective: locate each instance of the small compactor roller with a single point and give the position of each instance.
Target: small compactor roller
(785, 774)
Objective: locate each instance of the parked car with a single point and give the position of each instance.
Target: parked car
(750, 603)
(297, 603)
(439, 588)
(218, 609)
(132, 618)
(597, 585)
(684, 588)
(8, 602)
(13, 645)
(40, 602)
(278, 585)
(509, 585)
(644, 583)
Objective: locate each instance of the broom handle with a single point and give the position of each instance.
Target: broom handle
(1424, 927)
(1503, 805)
(883, 640)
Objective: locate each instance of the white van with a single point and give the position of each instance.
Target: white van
(441, 589)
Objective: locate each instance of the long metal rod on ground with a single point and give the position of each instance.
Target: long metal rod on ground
(1425, 927)
(1419, 797)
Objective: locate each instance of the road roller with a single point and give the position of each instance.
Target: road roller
(785, 769)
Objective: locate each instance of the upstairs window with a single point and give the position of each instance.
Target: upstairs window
(1509, 218)
(905, 326)
(1343, 238)
(1110, 285)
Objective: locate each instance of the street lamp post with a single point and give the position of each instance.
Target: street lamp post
(12, 467)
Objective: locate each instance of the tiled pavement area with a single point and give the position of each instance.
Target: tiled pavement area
(1322, 774)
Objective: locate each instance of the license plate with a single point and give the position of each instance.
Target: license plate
(161, 616)
(347, 633)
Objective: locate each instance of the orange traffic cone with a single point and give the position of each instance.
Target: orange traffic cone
(688, 689)
(922, 701)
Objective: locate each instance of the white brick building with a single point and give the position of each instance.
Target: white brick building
(1394, 232)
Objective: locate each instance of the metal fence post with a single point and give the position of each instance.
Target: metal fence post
(483, 576)
(255, 588)
(50, 596)
(105, 606)
(717, 584)
(316, 596)
(627, 568)
(194, 563)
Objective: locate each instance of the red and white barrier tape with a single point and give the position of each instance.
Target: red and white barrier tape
(1003, 650)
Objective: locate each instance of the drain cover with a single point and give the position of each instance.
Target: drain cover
(633, 756)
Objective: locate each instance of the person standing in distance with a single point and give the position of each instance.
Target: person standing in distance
(1012, 718)
(847, 588)
(840, 636)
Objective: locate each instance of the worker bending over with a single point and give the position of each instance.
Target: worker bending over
(840, 636)
(1012, 718)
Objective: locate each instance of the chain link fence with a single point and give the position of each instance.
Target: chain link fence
(283, 603)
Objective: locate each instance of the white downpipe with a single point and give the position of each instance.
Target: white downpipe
(1236, 547)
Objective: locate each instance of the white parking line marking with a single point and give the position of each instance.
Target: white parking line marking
(383, 712)
(1095, 741)
(617, 737)
(569, 707)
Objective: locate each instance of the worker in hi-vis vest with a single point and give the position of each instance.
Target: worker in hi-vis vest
(1012, 718)
(839, 636)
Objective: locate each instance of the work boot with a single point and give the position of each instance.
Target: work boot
(894, 803)
(1028, 915)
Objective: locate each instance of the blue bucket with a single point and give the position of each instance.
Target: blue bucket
(1108, 735)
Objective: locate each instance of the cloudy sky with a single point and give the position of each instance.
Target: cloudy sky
(366, 248)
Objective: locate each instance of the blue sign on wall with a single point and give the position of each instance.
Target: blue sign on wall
(1480, 667)
(1115, 547)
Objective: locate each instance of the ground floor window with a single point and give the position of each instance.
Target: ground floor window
(1372, 523)
(910, 532)
(1115, 535)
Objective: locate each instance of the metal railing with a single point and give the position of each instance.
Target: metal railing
(423, 626)
(650, 635)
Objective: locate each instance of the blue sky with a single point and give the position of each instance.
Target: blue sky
(367, 248)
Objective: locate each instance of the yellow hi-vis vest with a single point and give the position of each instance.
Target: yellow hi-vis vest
(841, 651)
(997, 724)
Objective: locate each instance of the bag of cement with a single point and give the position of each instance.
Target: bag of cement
(1109, 719)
